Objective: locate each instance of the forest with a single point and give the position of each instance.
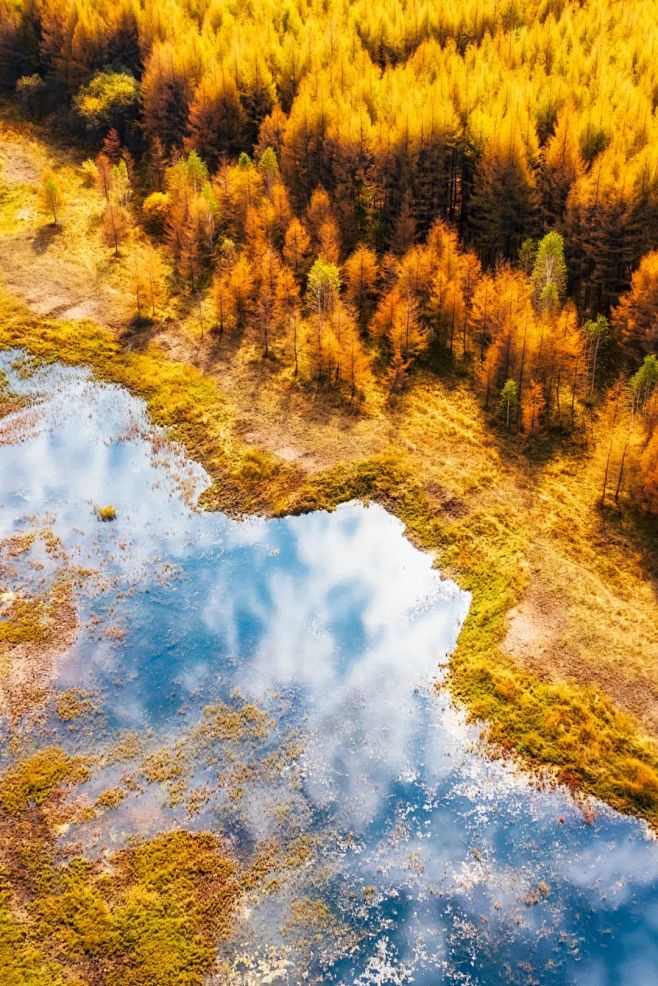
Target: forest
(364, 189)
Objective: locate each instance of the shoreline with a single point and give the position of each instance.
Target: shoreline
(512, 704)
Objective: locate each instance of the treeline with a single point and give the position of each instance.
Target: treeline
(504, 119)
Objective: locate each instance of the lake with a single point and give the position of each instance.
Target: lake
(275, 681)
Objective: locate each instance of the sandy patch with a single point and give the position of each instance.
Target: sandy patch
(545, 635)
(535, 628)
(19, 163)
(55, 288)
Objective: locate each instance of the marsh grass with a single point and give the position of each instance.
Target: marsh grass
(105, 514)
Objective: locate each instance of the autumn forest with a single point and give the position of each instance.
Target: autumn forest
(369, 188)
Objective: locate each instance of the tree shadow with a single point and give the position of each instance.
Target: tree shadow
(222, 346)
(138, 333)
(624, 524)
(638, 529)
(44, 237)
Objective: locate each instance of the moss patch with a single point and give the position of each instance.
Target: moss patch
(152, 914)
(72, 704)
(106, 514)
(34, 619)
(29, 782)
(21, 960)
(154, 917)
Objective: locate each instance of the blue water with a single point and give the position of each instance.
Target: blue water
(433, 863)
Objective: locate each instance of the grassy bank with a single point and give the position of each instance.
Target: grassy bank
(479, 519)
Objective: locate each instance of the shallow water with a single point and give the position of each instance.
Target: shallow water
(425, 862)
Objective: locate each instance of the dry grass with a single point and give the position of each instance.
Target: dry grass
(61, 272)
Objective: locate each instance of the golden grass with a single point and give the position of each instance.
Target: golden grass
(151, 915)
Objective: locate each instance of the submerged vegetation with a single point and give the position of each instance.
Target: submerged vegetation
(153, 914)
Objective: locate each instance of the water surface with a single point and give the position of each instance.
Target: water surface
(424, 861)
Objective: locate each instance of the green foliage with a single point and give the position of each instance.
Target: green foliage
(645, 381)
(196, 172)
(549, 274)
(121, 190)
(528, 255)
(597, 328)
(269, 166)
(51, 197)
(322, 287)
(111, 99)
(509, 399)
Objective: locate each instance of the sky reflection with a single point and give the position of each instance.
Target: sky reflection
(443, 866)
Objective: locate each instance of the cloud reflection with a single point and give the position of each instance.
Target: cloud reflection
(454, 868)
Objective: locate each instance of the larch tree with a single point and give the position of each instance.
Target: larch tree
(322, 289)
(225, 302)
(147, 273)
(596, 332)
(297, 245)
(287, 302)
(648, 475)
(50, 197)
(217, 119)
(508, 400)
(360, 272)
(116, 225)
(505, 202)
(549, 273)
(268, 298)
(533, 407)
(561, 166)
(634, 319)
(104, 176)
(242, 285)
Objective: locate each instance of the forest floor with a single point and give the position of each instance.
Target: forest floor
(560, 651)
